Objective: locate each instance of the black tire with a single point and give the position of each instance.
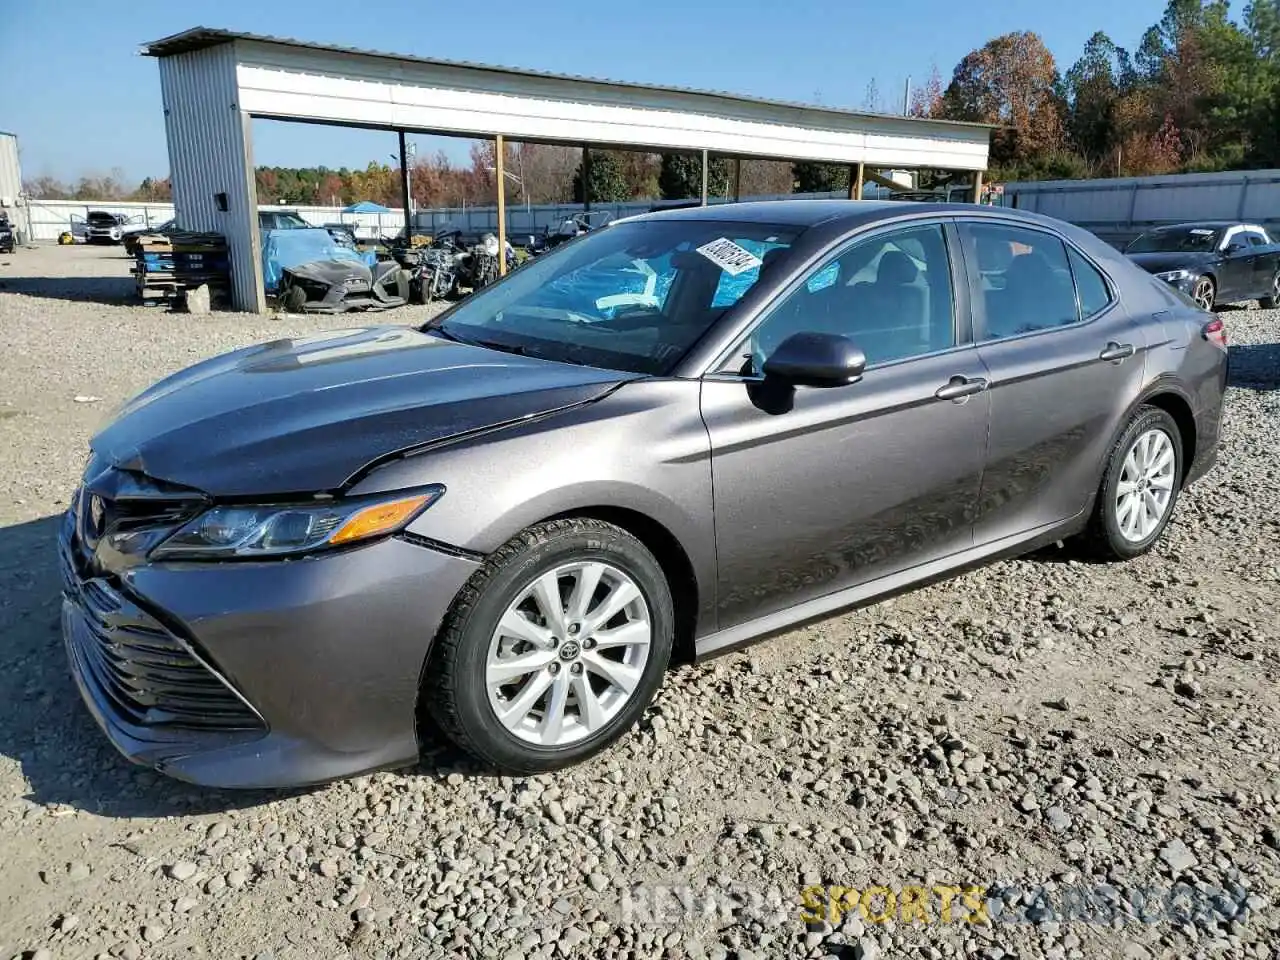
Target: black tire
(1205, 292)
(295, 299)
(454, 693)
(1273, 301)
(1103, 538)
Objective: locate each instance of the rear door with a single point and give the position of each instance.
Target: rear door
(1263, 261)
(1064, 361)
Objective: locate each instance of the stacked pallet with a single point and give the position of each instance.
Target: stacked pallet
(168, 265)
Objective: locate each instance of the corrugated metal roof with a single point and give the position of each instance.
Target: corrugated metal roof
(199, 38)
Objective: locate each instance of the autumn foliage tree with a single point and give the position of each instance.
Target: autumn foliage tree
(1010, 81)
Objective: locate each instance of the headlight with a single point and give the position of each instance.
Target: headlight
(284, 529)
(1174, 276)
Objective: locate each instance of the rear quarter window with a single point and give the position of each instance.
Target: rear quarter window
(1091, 286)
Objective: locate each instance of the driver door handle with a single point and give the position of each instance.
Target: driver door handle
(961, 388)
(1116, 351)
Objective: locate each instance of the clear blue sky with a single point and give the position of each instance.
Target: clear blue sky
(82, 100)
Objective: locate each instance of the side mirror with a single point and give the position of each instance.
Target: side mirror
(1235, 246)
(816, 360)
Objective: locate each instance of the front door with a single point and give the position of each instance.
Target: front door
(819, 489)
(1235, 266)
(1065, 363)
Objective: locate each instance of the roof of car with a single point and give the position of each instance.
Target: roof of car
(808, 213)
(1191, 224)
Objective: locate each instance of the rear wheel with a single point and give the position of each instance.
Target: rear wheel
(1139, 488)
(554, 648)
(1204, 292)
(1273, 300)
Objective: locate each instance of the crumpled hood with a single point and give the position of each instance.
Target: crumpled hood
(330, 271)
(1163, 262)
(305, 415)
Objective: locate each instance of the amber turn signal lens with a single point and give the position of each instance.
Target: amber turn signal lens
(380, 518)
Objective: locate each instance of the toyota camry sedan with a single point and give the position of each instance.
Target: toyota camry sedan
(663, 440)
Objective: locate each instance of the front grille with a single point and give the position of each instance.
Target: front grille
(149, 675)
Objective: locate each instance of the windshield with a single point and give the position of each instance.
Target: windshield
(1177, 240)
(635, 296)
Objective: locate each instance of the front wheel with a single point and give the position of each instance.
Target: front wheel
(295, 299)
(1139, 488)
(554, 647)
(1204, 293)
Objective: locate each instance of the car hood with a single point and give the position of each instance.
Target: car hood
(1163, 262)
(330, 271)
(306, 415)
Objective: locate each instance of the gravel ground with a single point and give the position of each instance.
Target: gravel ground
(1069, 738)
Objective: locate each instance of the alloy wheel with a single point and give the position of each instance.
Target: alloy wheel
(568, 653)
(1202, 293)
(1146, 485)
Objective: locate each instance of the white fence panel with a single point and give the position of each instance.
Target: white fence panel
(1119, 209)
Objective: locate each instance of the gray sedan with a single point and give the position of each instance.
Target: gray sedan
(661, 441)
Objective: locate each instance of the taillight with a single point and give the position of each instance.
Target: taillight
(1215, 331)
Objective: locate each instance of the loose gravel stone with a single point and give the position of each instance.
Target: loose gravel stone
(183, 870)
(924, 740)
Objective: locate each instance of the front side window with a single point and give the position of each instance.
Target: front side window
(1025, 281)
(891, 294)
(633, 296)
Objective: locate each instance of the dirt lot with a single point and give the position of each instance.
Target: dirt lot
(1073, 739)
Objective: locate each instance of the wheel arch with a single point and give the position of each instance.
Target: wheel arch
(1166, 397)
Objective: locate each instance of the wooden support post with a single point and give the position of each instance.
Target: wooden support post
(857, 176)
(405, 199)
(586, 177)
(499, 164)
(737, 179)
(704, 177)
(977, 186)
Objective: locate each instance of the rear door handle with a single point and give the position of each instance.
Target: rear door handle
(1116, 351)
(961, 388)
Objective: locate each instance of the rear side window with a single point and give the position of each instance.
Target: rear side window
(1090, 285)
(1255, 239)
(1025, 282)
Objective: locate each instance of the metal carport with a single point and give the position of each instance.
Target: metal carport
(213, 82)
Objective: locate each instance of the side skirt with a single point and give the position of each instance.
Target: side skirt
(864, 594)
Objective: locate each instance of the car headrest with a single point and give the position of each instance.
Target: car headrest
(1029, 269)
(896, 267)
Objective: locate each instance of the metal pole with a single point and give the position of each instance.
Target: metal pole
(977, 186)
(502, 205)
(704, 178)
(404, 190)
(906, 98)
(586, 177)
(855, 184)
(737, 179)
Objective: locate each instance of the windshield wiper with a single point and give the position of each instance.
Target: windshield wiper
(447, 334)
(500, 346)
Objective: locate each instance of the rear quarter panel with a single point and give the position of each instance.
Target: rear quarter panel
(1178, 359)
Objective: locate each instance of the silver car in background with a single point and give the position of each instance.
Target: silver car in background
(660, 441)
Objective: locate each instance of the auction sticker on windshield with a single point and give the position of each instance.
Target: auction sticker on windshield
(730, 257)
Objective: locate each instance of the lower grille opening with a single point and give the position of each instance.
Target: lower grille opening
(150, 676)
